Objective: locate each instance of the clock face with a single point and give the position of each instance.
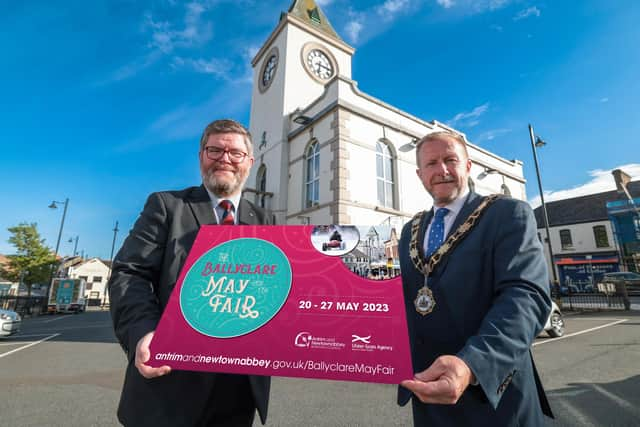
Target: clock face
(269, 70)
(319, 64)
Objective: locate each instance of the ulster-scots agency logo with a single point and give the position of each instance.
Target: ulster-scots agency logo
(235, 288)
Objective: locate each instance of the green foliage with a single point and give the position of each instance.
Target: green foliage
(33, 261)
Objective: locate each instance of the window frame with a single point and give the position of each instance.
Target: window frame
(312, 174)
(601, 241)
(566, 242)
(385, 156)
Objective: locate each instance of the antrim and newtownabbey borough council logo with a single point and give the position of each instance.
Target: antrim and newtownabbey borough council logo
(235, 288)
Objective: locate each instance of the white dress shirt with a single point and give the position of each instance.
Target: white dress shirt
(218, 211)
(454, 209)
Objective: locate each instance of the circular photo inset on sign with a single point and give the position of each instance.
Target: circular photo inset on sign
(335, 240)
(235, 288)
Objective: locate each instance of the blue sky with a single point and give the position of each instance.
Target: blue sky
(103, 102)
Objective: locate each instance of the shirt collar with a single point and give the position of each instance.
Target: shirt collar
(455, 206)
(215, 200)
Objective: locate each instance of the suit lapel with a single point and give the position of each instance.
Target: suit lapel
(247, 214)
(201, 206)
(472, 202)
(423, 230)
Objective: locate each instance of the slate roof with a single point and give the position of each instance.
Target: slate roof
(309, 12)
(590, 208)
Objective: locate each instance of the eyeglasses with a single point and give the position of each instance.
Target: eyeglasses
(216, 153)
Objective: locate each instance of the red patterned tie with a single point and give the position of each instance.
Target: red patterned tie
(227, 216)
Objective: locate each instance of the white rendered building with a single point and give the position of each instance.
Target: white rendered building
(96, 273)
(328, 153)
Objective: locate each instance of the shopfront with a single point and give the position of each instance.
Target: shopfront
(585, 271)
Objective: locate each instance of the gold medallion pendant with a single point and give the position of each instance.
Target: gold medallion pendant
(424, 301)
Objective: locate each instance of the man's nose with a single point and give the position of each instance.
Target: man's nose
(226, 154)
(442, 168)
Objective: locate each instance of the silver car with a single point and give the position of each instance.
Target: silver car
(555, 323)
(10, 322)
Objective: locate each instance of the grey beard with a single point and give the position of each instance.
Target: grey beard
(222, 189)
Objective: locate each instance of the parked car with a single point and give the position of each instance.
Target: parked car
(555, 323)
(630, 279)
(10, 322)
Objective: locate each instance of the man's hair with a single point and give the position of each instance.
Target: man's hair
(227, 126)
(439, 136)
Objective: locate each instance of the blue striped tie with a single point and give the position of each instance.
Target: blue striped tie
(436, 233)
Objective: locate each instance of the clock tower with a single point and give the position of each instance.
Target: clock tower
(301, 56)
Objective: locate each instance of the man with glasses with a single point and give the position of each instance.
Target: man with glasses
(145, 271)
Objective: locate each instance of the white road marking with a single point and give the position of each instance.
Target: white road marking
(578, 333)
(30, 335)
(576, 414)
(569, 393)
(618, 400)
(53, 320)
(28, 345)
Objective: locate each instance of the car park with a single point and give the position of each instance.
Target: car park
(10, 322)
(555, 323)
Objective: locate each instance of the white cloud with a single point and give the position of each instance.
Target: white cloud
(164, 37)
(601, 180)
(353, 30)
(188, 121)
(472, 7)
(481, 6)
(391, 7)
(603, 100)
(193, 30)
(490, 135)
(525, 13)
(469, 119)
(218, 67)
(378, 18)
(446, 3)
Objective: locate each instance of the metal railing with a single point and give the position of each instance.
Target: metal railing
(23, 305)
(609, 296)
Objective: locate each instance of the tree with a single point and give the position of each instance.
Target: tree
(32, 262)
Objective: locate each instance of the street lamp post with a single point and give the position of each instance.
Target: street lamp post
(54, 205)
(113, 245)
(75, 246)
(538, 142)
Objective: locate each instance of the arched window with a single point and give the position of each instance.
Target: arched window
(312, 179)
(384, 174)
(261, 185)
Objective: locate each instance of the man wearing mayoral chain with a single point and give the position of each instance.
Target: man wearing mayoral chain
(476, 293)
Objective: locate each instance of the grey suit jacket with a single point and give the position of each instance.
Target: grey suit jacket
(145, 271)
(492, 299)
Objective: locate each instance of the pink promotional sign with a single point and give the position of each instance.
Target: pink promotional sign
(294, 301)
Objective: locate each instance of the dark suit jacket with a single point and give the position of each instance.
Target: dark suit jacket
(492, 299)
(145, 271)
